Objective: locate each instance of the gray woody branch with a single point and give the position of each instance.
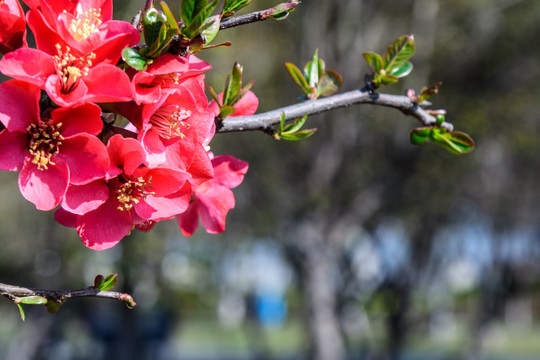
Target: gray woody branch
(16, 293)
(264, 121)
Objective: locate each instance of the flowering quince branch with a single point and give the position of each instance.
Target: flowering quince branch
(53, 299)
(115, 135)
(280, 12)
(265, 120)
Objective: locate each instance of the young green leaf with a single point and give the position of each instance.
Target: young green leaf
(233, 84)
(374, 61)
(297, 125)
(33, 300)
(300, 135)
(173, 24)
(230, 7)
(311, 70)
(428, 92)
(225, 111)
(299, 78)
(398, 53)
(420, 135)
(329, 83)
(21, 311)
(134, 59)
(108, 283)
(402, 71)
(455, 141)
(53, 306)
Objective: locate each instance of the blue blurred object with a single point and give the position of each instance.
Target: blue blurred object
(271, 308)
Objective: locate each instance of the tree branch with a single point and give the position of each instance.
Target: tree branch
(16, 293)
(251, 17)
(265, 120)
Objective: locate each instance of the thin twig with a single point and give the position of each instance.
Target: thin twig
(264, 120)
(14, 293)
(250, 18)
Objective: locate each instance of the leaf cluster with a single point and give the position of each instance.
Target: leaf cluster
(315, 81)
(292, 131)
(392, 65)
(232, 91)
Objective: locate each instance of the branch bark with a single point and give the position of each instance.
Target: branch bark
(251, 17)
(265, 120)
(16, 293)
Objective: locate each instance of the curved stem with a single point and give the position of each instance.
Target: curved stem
(265, 120)
(15, 293)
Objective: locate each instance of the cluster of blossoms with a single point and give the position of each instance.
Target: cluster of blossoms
(110, 148)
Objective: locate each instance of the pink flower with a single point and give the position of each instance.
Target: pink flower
(12, 25)
(77, 52)
(83, 26)
(213, 199)
(52, 150)
(106, 210)
(164, 74)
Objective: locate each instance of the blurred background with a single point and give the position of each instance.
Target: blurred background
(353, 244)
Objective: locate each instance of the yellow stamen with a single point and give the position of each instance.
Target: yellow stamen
(45, 142)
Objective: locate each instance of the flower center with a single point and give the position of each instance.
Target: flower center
(70, 69)
(45, 141)
(168, 120)
(85, 24)
(130, 191)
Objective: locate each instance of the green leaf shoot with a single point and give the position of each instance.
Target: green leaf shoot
(374, 61)
(398, 53)
(107, 283)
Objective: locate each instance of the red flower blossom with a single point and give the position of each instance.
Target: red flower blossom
(213, 199)
(130, 195)
(164, 74)
(12, 25)
(52, 150)
(77, 52)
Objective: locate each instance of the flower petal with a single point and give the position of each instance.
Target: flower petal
(86, 156)
(44, 188)
(18, 104)
(81, 199)
(104, 227)
(13, 150)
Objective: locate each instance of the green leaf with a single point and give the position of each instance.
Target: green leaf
(311, 70)
(329, 83)
(402, 71)
(420, 135)
(387, 79)
(374, 61)
(456, 142)
(297, 125)
(233, 84)
(33, 300)
(108, 283)
(212, 29)
(21, 311)
(243, 92)
(232, 6)
(214, 95)
(187, 10)
(281, 11)
(299, 78)
(53, 306)
(225, 111)
(428, 92)
(173, 24)
(300, 135)
(134, 59)
(398, 53)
